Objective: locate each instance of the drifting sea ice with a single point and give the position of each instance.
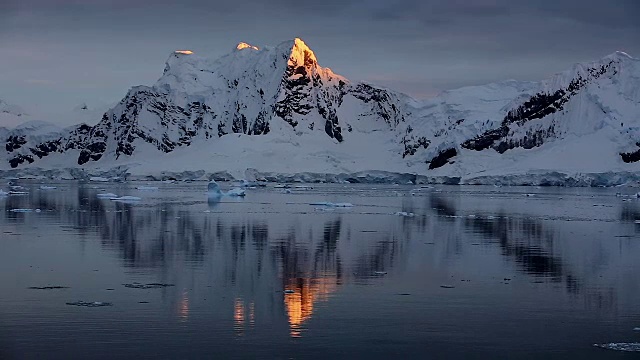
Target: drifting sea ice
(236, 192)
(98, 179)
(405, 214)
(107, 196)
(126, 199)
(213, 190)
(44, 187)
(89, 304)
(330, 204)
(629, 347)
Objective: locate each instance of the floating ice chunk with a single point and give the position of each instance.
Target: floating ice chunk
(405, 214)
(3, 193)
(636, 329)
(637, 195)
(447, 286)
(89, 304)
(213, 189)
(98, 179)
(48, 287)
(330, 204)
(237, 192)
(126, 198)
(18, 193)
(147, 188)
(107, 196)
(44, 187)
(379, 273)
(629, 347)
(21, 210)
(18, 187)
(281, 186)
(529, 195)
(147, 286)
(286, 191)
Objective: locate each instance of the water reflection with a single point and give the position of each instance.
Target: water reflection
(306, 258)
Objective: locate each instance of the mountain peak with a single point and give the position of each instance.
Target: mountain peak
(244, 45)
(302, 53)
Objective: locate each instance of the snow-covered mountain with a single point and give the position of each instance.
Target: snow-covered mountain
(11, 115)
(276, 110)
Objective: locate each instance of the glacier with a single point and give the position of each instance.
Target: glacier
(276, 113)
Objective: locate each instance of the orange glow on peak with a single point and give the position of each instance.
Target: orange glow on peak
(184, 52)
(244, 45)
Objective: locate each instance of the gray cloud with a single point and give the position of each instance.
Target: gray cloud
(86, 50)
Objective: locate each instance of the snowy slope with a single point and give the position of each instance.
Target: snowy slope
(276, 110)
(11, 115)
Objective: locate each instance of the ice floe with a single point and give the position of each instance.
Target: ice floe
(98, 179)
(89, 304)
(629, 347)
(330, 204)
(147, 286)
(405, 214)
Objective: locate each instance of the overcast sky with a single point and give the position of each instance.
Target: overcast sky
(55, 54)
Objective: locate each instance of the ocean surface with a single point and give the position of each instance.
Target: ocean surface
(407, 272)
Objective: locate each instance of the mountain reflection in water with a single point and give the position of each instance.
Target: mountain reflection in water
(272, 261)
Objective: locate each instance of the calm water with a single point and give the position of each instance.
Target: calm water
(270, 276)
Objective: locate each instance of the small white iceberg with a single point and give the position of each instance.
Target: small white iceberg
(18, 193)
(44, 187)
(3, 193)
(126, 199)
(628, 347)
(98, 179)
(213, 190)
(107, 196)
(237, 192)
(405, 214)
(21, 210)
(330, 204)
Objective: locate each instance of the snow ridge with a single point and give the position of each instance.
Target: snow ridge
(277, 110)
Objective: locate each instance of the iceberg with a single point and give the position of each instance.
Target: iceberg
(330, 204)
(44, 187)
(126, 199)
(98, 179)
(628, 347)
(213, 190)
(236, 192)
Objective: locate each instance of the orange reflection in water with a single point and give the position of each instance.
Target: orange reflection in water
(183, 307)
(238, 317)
(300, 303)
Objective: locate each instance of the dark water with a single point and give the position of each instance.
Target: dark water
(271, 276)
